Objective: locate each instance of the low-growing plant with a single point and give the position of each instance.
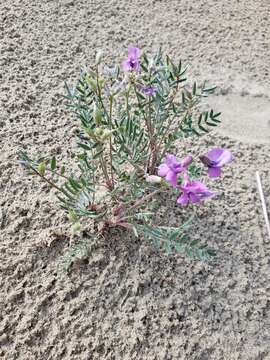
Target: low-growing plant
(131, 117)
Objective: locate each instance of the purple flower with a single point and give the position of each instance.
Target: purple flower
(215, 159)
(148, 90)
(194, 191)
(132, 62)
(171, 168)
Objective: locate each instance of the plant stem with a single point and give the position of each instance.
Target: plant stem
(94, 181)
(110, 144)
(99, 94)
(167, 129)
(127, 104)
(57, 173)
(109, 116)
(152, 145)
(138, 203)
(147, 124)
(45, 179)
(163, 138)
(139, 103)
(104, 168)
(168, 145)
(145, 198)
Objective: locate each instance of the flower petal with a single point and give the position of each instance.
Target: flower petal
(171, 177)
(214, 172)
(186, 161)
(126, 65)
(225, 158)
(196, 191)
(215, 154)
(183, 199)
(133, 52)
(171, 160)
(208, 194)
(219, 156)
(173, 164)
(194, 198)
(163, 170)
(196, 187)
(136, 65)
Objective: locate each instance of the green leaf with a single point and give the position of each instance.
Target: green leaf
(53, 163)
(194, 89)
(75, 184)
(84, 146)
(70, 95)
(97, 154)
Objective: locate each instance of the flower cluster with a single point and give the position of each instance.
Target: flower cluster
(192, 190)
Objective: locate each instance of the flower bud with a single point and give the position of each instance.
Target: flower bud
(89, 132)
(97, 116)
(151, 64)
(106, 134)
(187, 161)
(73, 217)
(99, 55)
(92, 83)
(153, 179)
(98, 132)
(76, 227)
(101, 83)
(41, 168)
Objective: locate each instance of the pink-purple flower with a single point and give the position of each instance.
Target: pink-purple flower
(215, 159)
(149, 90)
(193, 191)
(171, 168)
(132, 62)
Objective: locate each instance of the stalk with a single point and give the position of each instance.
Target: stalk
(104, 168)
(142, 200)
(110, 143)
(152, 145)
(57, 173)
(53, 185)
(167, 129)
(99, 94)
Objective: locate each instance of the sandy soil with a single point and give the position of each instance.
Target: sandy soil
(129, 301)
